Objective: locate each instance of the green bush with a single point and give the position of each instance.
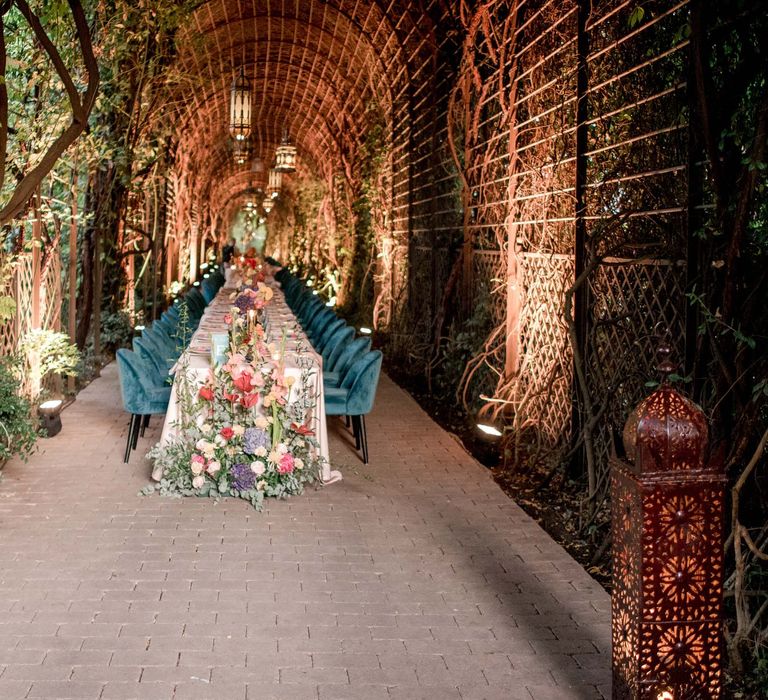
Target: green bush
(18, 430)
(116, 331)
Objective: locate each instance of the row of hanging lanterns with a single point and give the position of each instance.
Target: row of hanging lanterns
(240, 117)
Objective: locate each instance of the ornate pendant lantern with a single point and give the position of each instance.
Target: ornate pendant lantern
(275, 182)
(240, 150)
(240, 108)
(268, 203)
(285, 155)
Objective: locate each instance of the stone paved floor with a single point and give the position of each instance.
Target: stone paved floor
(415, 577)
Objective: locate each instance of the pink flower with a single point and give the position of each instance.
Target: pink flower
(227, 433)
(249, 400)
(243, 382)
(197, 464)
(206, 393)
(286, 464)
(213, 467)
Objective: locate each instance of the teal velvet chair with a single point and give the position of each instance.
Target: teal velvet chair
(208, 290)
(337, 341)
(169, 346)
(318, 325)
(339, 364)
(355, 396)
(141, 398)
(145, 349)
(325, 335)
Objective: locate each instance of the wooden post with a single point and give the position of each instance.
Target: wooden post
(72, 316)
(667, 522)
(97, 283)
(514, 306)
(36, 251)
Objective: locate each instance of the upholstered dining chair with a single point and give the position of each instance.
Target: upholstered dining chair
(336, 341)
(140, 397)
(356, 395)
(339, 364)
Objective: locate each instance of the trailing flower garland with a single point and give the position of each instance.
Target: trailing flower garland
(238, 434)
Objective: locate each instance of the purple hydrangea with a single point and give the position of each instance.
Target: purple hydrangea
(253, 438)
(245, 302)
(243, 478)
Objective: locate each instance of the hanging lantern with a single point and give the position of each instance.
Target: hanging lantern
(240, 150)
(285, 155)
(275, 182)
(240, 108)
(268, 204)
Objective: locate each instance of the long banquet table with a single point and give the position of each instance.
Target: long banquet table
(298, 353)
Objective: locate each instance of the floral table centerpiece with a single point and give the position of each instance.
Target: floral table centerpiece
(238, 434)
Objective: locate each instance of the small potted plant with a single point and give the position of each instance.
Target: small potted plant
(18, 428)
(45, 353)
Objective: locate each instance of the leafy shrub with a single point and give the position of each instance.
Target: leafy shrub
(47, 352)
(116, 331)
(18, 432)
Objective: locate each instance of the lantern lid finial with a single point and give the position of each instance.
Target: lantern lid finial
(667, 431)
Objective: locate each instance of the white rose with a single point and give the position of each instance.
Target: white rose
(298, 463)
(261, 422)
(281, 448)
(197, 468)
(205, 428)
(261, 451)
(257, 467)
(238, 430)
(220, 441)
(274, 457)
(261, 485)
(198, 482)
(213, 467)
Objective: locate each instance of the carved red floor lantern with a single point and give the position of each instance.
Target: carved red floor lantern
(667, 503)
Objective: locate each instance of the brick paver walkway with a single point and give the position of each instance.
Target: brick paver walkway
(415, 577)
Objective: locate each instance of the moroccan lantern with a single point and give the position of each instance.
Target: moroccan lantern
(240, 108)
(285, 155)
(240, 150)
(667, 521)
(275, 182)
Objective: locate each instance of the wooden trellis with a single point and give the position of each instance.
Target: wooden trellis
(21, 286)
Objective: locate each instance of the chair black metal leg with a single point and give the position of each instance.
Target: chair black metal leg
(144, 425)
(364, 439)
(356, 431)
(136, 431)
(129, 440)
(346, 420)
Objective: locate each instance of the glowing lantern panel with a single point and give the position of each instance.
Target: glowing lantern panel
(240, 108)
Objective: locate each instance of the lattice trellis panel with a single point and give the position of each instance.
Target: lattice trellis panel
(51, 294)
(9, 330)
(630, 302)
(488, 281)
(20, 286)
(546, 368)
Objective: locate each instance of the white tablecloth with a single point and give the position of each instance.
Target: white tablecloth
(278, 317)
